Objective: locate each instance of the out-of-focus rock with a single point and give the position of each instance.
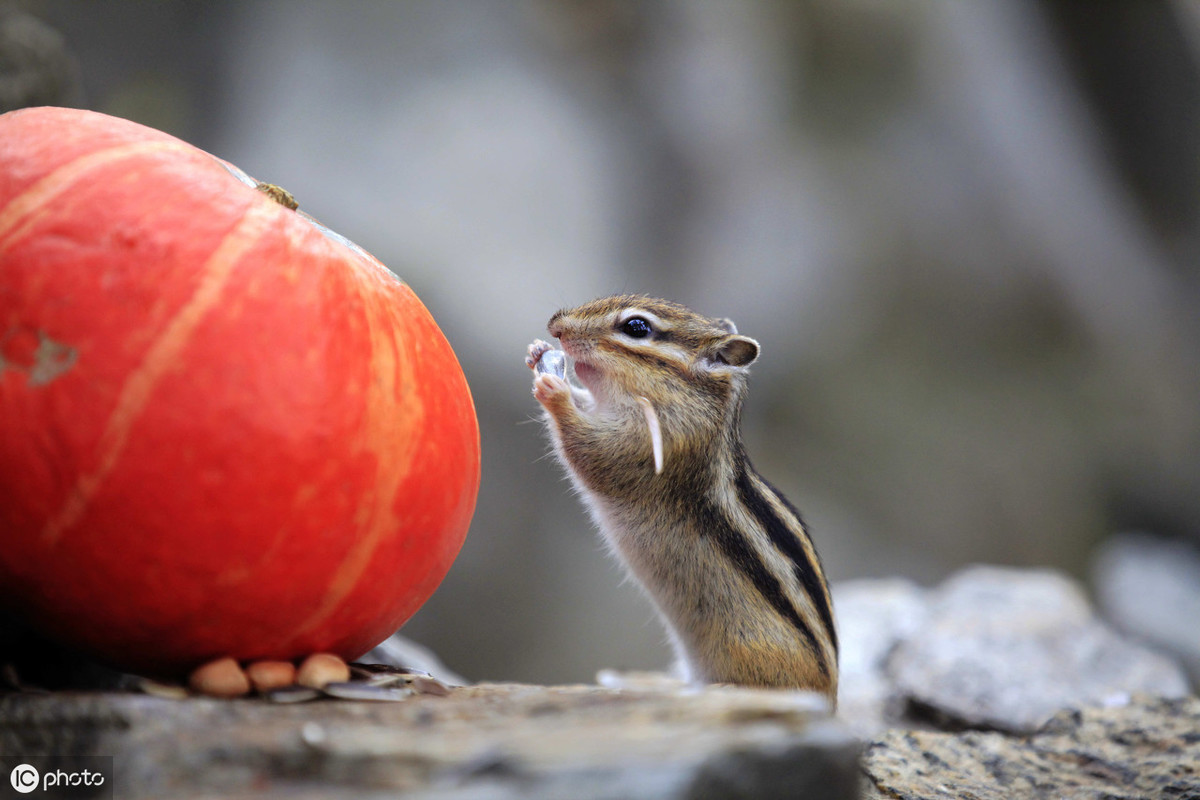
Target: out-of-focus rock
(400, 651)
(1150, 588)
(873, 617)
(1006, 649)
(991, 648)
(1145, 748)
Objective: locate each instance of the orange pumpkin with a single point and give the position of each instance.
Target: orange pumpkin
(224, 429)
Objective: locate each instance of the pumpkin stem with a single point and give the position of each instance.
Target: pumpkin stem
(278, 194)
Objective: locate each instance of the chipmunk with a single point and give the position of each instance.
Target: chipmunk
(652, 440)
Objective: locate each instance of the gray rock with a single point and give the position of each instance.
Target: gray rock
(989, 648)
(1005, 649)
(873, 617)
(1150, 588)
(400, 651)
(486, 742)
(1000, 650)
(1146, 748)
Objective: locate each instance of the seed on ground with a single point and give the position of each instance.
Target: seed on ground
(320, 669)
(267, 675)
(220, 678)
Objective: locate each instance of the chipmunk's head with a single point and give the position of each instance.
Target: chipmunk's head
(631, 345)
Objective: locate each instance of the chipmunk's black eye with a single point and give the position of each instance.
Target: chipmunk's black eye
(637, 327)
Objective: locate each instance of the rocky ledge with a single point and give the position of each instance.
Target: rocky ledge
(1142, 748)
(487, 741)
(998, 683)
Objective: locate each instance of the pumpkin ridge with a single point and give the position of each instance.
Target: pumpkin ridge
(392, 371)
(140, 384)
(24, 210)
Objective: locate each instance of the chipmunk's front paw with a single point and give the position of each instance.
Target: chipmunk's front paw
(551, 391)
(535, 351)
(543, 359)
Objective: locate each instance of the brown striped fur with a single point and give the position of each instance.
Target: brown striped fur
(724, 557)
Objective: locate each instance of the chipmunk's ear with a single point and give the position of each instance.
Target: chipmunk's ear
(736, 351)
(726, 324)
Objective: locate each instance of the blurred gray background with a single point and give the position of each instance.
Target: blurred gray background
(967, 235)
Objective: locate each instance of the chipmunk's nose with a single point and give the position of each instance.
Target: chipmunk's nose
(556, 325)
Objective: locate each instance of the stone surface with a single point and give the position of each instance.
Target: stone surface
(1149, 588)
(1145, 748)
(487, 742)
(1005, 649)
(400, 651)
(993, 651)
(873, 617)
